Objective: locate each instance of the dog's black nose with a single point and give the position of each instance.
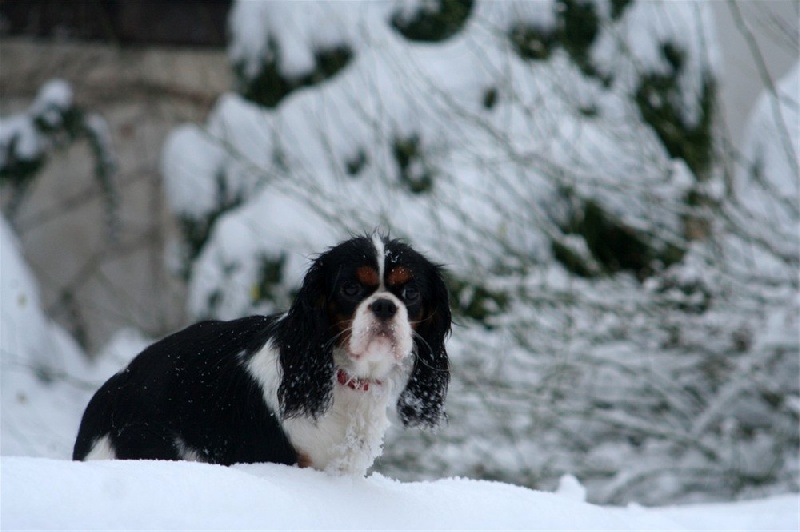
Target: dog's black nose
(383, 308)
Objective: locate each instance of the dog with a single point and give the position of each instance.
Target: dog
(315, 386)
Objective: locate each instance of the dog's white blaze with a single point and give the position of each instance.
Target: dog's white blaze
(102, 450)
(380, 256)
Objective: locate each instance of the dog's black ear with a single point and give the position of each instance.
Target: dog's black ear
(306, 349)
(422, 401)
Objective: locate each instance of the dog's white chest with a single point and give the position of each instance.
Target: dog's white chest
(349, 436)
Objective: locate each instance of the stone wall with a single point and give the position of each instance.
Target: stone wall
(91, 283)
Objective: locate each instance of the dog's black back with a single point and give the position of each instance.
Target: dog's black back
(179, 388)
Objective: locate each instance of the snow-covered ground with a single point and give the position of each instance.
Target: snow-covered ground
(41, 493)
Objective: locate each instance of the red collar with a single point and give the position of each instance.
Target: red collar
(355, 383)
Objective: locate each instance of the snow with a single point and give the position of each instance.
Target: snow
(771, 167)
(20, 137)
(636, 46)
(45, 378)
(188, 196)
(57, 494)
(501, 15)
(31, 348)
(53, 99)
(297, 30)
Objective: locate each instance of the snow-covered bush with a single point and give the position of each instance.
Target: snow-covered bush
(52, 121)
(558, 157)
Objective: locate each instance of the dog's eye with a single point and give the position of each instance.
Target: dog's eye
(410, 293)
(350, 289)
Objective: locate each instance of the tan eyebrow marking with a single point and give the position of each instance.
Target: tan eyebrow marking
(398, 275)
(368, 276)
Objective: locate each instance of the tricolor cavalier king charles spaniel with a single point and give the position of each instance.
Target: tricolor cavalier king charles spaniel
(311, 387)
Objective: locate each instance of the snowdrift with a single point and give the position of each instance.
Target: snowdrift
(57, 494)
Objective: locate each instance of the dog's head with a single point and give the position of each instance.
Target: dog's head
(367, 306)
